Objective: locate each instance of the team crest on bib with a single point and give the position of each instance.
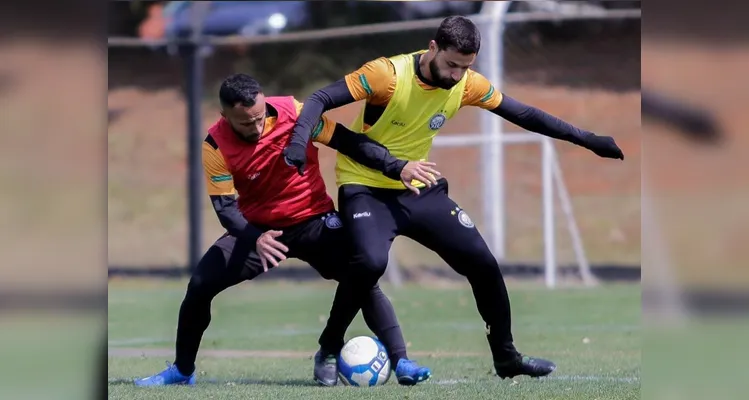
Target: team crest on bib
(465, 220)
(332, 221)
(437, 121)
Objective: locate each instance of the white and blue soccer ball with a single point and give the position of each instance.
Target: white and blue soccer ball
(364, 362)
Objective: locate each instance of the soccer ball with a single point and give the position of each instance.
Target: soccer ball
(364, 361)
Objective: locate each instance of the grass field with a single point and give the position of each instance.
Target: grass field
(262, 337)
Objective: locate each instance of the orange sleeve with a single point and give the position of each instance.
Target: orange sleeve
(374, 81)
(218, 179)
(323, 131)
(479, 92)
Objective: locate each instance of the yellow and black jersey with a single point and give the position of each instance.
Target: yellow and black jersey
(376, 81)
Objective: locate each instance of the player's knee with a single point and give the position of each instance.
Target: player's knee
(372, 264)
(200, 288)
(484, 264)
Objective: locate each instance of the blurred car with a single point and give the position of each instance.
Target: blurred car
(420, 9)
(571, 6)
(245, 18)
(435, 9)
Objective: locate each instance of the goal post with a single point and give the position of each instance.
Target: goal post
(493, 21)
(493, 159)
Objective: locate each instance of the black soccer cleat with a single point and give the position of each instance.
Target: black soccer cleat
(326, 368)
(533, 367)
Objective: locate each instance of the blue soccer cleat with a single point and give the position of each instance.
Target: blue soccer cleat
(409, 373)
(169, 376)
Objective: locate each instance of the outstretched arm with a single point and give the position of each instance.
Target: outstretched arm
(372, 154)
(536, 120)
(479, 92)
(363, 150)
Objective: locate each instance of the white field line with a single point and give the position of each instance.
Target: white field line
(129, 352)
(135, 352)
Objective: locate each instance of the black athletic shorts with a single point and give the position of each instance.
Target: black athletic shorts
(319, 241)
(374, 217)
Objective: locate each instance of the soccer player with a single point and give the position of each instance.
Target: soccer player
(408, 99)
(278, 214)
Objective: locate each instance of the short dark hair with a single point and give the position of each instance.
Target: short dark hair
(459, 33)
(239, 88)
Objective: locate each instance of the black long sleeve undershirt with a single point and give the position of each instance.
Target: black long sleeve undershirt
(332, 96)
(535, 120)
(366, 151)
(232, 220)
(523, 115)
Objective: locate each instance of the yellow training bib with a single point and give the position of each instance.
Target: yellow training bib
(407, 127)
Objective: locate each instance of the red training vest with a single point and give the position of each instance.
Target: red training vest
(272, 193)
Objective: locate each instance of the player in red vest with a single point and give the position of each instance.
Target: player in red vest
(278, 214)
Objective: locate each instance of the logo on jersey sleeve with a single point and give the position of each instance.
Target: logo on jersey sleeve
(463, 217)
(437, 121)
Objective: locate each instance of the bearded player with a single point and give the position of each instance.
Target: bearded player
(408, 99)
(279, 214)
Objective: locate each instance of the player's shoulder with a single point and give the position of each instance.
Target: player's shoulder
(473, 76)
(381, 66)
(480, 92)
(374, 78)
(381, 62)
(476, 84)
(210, 142)
(212, 157)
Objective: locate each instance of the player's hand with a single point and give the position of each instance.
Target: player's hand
(604, 146)
(269, 249)
(422, 171)
(295, 155)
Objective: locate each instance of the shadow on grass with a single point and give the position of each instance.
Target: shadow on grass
(225, 382)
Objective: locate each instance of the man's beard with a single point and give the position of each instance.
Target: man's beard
(437, 79)
(247, 138)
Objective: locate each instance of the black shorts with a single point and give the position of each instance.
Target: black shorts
(320, 241)
(374, 217)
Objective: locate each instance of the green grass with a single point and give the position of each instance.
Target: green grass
(592, 334)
